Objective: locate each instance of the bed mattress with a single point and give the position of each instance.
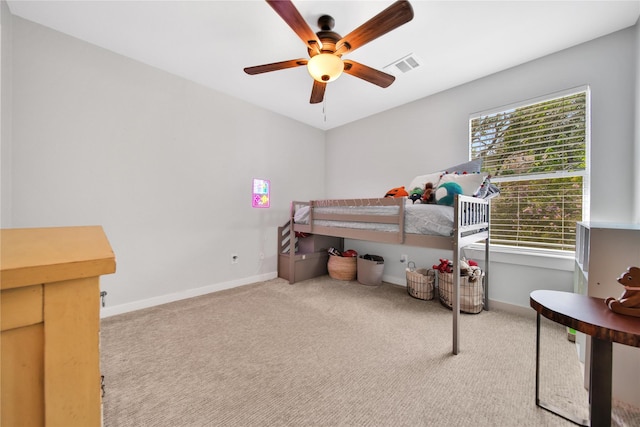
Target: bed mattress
(435, 220)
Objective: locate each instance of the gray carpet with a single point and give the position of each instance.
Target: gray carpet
(330, 353)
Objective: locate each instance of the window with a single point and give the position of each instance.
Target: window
(537, 154)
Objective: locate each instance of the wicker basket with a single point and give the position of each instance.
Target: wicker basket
(471, 292)
(342, 268)
(420, 282)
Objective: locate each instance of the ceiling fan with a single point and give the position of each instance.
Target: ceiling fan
(326, 47)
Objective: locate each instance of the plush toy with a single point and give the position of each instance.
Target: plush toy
(470, 269)
(445, 266)
(629, 301)
(350, 253)
(445, 194)
(397, 192)
(467, 268)
(428, 195)
(416, 195)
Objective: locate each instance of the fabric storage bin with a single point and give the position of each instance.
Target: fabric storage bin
(420, 282)
(370, 268)
(342, 267)
(471, 292)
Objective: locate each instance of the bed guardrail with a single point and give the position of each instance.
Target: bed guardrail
(394, 218)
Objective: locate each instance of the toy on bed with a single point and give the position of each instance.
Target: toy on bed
(446, 192)
(424, 195)
(428, 195)
(629, 301)
(415, 195)
(487, 190)
(397, 192)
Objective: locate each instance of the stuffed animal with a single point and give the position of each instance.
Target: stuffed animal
(629, 301)
(467, 268)
(445, 194)
(445, 266)
(416, 195)
(397, 192)
(470, 269)
(428, 195)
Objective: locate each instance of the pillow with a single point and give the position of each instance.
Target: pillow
(420, 180)
(487, 190)
(473, 166)
(469, 182)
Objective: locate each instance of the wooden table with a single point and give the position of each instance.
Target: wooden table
(591, 316)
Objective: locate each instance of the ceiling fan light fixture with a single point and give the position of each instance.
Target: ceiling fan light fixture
(325, 67)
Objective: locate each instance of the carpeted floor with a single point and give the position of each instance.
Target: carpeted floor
(330, 353)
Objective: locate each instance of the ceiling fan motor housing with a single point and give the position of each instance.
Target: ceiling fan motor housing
(327, 37)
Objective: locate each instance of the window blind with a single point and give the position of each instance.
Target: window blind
(537, 156)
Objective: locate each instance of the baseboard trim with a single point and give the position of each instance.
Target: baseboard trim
(177, 296)
(493, 304)
(512, 308)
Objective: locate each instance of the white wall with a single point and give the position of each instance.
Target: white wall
(637, 121)
(163, 164)
(432, 133)
(5, 115)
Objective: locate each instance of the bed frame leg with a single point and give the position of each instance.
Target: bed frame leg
(292, 252)
(456, 299)
(486, 274)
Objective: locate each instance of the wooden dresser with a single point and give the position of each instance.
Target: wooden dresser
(50, 325)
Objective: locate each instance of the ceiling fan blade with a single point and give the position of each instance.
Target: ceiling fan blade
(369, 74)
(290, 15)
(317, 92)
(259, 69)
(397, 14)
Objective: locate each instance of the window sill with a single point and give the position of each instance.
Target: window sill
(557, 260)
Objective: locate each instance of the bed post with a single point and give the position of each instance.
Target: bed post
(456, 298)
(292, 247)
(456, 276)
(486, 258)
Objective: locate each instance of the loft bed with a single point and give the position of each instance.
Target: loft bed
(385, 220)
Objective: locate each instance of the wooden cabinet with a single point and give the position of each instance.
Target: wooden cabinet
(603, 252)
(50, 325)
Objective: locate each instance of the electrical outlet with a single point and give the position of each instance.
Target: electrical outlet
(404, 258)
(234, 258)
(261, 255)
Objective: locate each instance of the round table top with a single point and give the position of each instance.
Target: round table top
(588, 315)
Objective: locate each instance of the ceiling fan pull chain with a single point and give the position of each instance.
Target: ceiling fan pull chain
(324, 108)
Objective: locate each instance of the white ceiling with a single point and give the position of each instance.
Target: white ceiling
(210, 42)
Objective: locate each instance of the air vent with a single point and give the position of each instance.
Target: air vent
(404, 65)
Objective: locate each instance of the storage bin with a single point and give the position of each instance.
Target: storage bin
(471, 292)
(342, 268)
(420, 282)
(370, 268)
